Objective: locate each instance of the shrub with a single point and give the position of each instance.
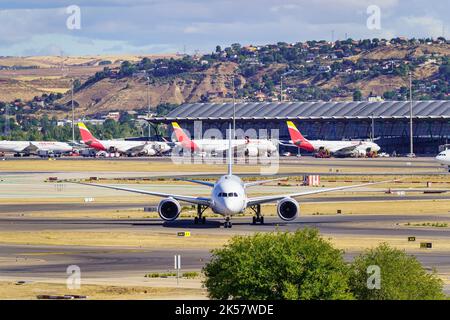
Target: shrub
(299, 265)
(402, 276)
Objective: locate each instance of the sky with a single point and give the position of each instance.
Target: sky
(47, 27)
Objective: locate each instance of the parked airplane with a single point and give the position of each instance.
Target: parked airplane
(42, 148)
(149, 148)
(444, 158)
(337, 148)
(229, 197)
(249, 147)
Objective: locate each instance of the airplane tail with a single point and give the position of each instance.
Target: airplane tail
(86, 135)
(185, 141)
(297, 138)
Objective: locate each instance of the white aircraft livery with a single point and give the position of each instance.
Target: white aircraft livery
(344, 148)
(250, 147)
(34, 147)
(149, 148)
(229, 197)
(444, 158)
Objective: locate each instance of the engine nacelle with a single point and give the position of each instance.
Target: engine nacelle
(251, 151)
(288, 209)
(149, 151)
(169, 209)
(112, 150)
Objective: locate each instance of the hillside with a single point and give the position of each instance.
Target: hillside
(26, 77)
(311, 71)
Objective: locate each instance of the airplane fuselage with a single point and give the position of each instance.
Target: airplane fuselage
(30, 146)
(228, 196)
(253, 146)
(360, 147)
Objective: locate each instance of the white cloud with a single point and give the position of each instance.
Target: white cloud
(430, 25)
(199, 24)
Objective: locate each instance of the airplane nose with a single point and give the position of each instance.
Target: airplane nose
(232, 205)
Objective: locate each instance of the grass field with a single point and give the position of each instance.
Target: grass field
(115, 238)
(156, 166)
(10, 290)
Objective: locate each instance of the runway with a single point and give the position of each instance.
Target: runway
(51, 261)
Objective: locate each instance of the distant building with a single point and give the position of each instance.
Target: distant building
(113, 116)
(329, 120)
(374, 98)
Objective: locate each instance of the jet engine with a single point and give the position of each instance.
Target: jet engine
(251, 151)
(288, 209)
(149, 151)
(169, 209)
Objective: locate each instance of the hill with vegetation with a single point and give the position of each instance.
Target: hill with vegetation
(370, 69)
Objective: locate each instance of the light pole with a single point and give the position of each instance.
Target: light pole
(373, 128)
(148, 105)
(281, 88)
(73, 115)
(234, 106)
(411, 143)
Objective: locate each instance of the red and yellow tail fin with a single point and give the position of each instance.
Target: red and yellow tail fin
(86, 135)
(297, 138)
(185, 141)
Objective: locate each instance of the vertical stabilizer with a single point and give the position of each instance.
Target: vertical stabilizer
(297, 138)
(86, 135)
(230, 154)
(182, 137)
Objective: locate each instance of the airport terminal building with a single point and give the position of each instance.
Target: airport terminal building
(330, 120)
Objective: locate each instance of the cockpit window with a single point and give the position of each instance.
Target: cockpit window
(225, 195)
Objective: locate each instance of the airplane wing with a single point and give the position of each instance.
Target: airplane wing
(345, 150)
(287, 143)
(266, 199)
(31, 148)
(136, 148)
(194, 200)
(205, 183)
(256, 183)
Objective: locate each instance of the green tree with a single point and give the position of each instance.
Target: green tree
(389, 95)
(402, 276)
(299, 265)
(444, 71)
(357, 95)
(76, 85)
(127, 69)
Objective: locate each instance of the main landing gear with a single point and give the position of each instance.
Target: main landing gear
(200, 219)
(227, 223)
(258, 218)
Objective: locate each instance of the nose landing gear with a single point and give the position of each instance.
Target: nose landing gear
(227, 223)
